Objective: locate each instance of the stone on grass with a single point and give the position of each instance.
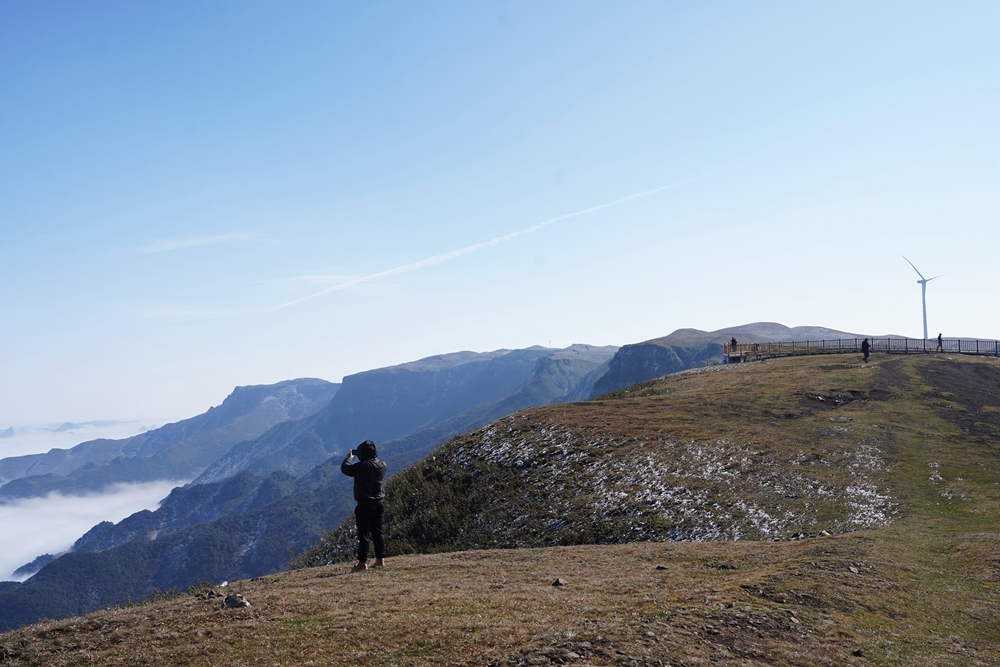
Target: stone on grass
(234, 601)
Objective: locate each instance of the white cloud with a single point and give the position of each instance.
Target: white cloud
(167, 245)
(52, 524)
(194, 313)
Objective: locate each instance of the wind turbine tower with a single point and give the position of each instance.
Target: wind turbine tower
(923, 291)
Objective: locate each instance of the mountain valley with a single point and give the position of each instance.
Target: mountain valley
(799, 511)
(272, 497)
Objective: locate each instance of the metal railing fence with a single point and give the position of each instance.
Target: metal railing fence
(853, 345)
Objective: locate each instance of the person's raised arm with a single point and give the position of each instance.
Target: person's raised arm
(346, 466)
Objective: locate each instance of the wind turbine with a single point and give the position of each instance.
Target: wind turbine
(923, 290)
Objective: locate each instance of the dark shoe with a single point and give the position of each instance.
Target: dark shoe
(360, 567)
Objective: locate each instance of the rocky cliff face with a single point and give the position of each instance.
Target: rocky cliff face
(644, 361)
(415, 406)
(690, 348)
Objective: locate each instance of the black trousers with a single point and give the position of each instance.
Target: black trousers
(369, 520)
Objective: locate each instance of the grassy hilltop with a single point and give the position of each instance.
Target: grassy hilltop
(899, 460)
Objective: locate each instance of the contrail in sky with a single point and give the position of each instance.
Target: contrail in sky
(444, 257)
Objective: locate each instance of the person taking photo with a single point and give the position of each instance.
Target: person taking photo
(369, 492)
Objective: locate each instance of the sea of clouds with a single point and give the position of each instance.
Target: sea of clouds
(52, 523)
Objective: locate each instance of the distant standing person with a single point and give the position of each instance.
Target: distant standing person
(865, 348)
(940, 347)
(369, 492)
(732, 344)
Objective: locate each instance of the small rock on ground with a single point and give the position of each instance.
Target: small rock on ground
(234, 601)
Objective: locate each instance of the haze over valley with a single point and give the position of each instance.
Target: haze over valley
(39, 438)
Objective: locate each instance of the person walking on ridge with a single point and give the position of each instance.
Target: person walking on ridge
(865, 347)
(940, 347)
(369, 492)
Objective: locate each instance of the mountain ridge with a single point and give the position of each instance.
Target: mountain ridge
(689, 348)
(396, 404)
(173, 451)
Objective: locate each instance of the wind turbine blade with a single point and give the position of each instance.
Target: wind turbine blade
(914, 268)
(936, 277)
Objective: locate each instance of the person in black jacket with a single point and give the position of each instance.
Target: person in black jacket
(369, 476)
(865, 346)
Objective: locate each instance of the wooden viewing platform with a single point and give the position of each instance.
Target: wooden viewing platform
(755, 351)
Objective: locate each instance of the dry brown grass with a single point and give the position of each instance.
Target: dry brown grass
(709, 604)
(810, 602)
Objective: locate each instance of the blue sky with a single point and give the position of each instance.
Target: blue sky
(195, 196)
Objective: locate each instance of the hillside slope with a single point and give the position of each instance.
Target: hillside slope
(759, 451)
(920, 587)
(770, 450)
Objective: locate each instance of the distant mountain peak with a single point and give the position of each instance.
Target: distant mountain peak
(689, 348)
